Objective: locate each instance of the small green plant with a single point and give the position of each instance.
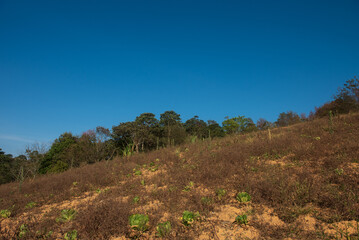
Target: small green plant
(66, 215)
(22, 231)
(143, 182)
(31, 205)
(136, 199)
(339, 171)
(163, 229)
(188, 187)
(5, 213)
(206, 200)
(220, 192)
(152, 164)
(72, 235)
(241, 219)
(75, 184)
(98, 190)
(330, 113)
(189, 217)
(243, 197)
(139, 222)
(138, 172)
(154, 169)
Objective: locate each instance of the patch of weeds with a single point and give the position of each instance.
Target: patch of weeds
(143, 182)
(72, 235)
(22, 231)
(5, 213)
(221, 192)
(139, 222)
(66, 215)
(163, 229)
(75, 184)
(30, 205)
(241, 219)
(243, 197)
(136, 199)
(154, 169)
(188, 187)
(98, 191)
(189, 217)
(339, 171)
(151, 164)
(207, 200)
(138, 173)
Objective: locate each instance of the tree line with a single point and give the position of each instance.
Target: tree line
(147, 133)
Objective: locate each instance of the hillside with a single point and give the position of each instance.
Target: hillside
(302, 183)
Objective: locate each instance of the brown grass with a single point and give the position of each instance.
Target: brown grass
(303, 176)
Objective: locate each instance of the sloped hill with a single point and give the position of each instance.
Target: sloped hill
(297, 182)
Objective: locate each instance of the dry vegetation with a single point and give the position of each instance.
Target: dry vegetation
(303, 184)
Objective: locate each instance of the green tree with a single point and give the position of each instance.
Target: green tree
(288, 118)
(214, 129)
(55, 159)
(170, 121)
(6, 161)
(238, 124)
(196, 127)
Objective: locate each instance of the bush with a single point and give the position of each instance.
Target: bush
(163, 229)
(243, 197)
(139, 222)
(66, 215)
(241, 219)
(5, 213)
(189, 217)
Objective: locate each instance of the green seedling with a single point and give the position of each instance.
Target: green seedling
(72, 235)
(31, 205)
(163, 229)
(66, 215)
(339, 171)
(143, 182)
(188, 187)
(220, 192)
(136, 199)
(5, 213)
(154, 169)
(22, 231)
(75, 184)
(138, 172)
(241, 219)
(139, 222)
(189, 217)
(152, 164)
(157, 160)
(98, 191)
(243, 197)
(206, 200)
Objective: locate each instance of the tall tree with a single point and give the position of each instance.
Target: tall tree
(196, 127)
(288, 118)
(171, 122)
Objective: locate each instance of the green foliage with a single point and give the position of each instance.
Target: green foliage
(72, 235)
(288, 118)
(339, 171)
(139, 222)
(189, 217)
(5, 213)
(22, 231)
(31, 205)
(136, 199)
(238, 125)
(55, 159)
(243, 197)
(242, 219)
(220, 192)
(66, 215)
(143, 182)
(188, 187)
(163, 229)
(138, 172)
(6, 164)
(206, 200)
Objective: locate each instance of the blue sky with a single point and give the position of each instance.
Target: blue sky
(75, 65)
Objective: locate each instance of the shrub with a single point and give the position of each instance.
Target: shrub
(188, 187)
(136, 199)
(241, 219)
(5, 213)
(138, 172)
(22, 231)
(139, 222)
(31, 205)
(163, 229)
(189, 217)
(243, 197)
(220, 192)
(66, 215)
(72, 235)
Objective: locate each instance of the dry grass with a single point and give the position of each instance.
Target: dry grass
(303, 183)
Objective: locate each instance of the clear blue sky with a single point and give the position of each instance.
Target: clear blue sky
(74, 65)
